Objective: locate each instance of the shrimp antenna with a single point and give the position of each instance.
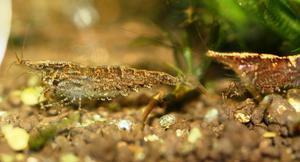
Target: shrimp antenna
(19, 58)
(23, 44)
(201, 38)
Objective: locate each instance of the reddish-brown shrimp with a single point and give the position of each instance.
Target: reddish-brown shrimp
(262, 73)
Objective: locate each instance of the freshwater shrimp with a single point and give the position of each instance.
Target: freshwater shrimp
(72, 83)
(262, 74)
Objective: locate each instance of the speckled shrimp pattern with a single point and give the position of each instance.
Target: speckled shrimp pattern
(72, 83)
(263, 73)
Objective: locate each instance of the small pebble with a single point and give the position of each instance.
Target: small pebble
(124, 125)
(32, 95)
(17, 138)
(32, 159)
(241, 117)
(194, 135)
(6, 158)
(167, 120)
(20, 157)
(98, 118)
(293, 97)
(53, 111)
(69, 157)
(3, 114)
(269, 134)
(139, 156)
(151, 138)
(14, 98)
(138, 151)
(278, 109)
(91, 120)
(211, 115)
(187, 148)
(85, 123)
(88, 159)
(181, 132)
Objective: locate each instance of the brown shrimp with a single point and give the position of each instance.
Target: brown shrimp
(72, 83)
(262, 73)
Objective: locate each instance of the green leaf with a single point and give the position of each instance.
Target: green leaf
(187, 53)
